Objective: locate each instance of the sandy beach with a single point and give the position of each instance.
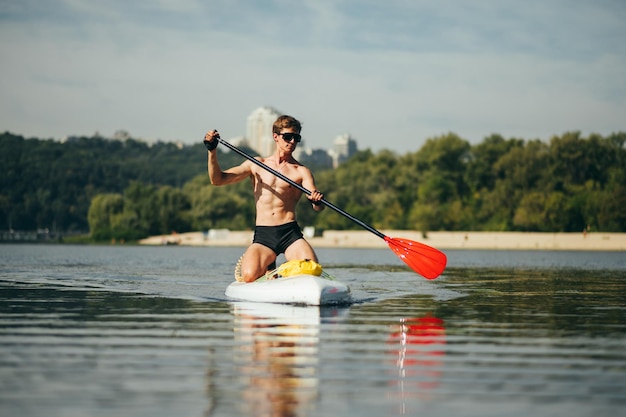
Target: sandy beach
(440, 240)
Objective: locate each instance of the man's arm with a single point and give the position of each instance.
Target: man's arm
(217, 176)
(231, 175)
(308, 182)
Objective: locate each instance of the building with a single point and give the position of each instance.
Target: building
(259, 130)
(313, 158)
(344, 147)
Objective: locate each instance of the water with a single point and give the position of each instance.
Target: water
(147, 331)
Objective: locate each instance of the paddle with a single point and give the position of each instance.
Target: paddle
(423, 259)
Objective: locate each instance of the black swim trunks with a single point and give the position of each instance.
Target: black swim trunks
(277, 238)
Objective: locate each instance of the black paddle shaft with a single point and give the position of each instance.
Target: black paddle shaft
(301, 188)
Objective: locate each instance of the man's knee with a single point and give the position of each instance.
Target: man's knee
(251, 271)
(250, 274)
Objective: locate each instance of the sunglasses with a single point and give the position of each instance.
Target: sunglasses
(288, 137)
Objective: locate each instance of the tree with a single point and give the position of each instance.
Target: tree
(173, 208)
(440, 164)
(103, 208)
(480, 174)
(211, 206)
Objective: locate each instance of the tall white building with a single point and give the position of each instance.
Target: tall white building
(344, 147)
(259, 129)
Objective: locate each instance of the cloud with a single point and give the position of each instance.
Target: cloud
(392, 74)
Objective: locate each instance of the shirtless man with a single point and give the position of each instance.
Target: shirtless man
(276, 230)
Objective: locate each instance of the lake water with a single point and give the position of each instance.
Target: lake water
(147, 331)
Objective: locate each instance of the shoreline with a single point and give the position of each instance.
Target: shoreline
(441, 240)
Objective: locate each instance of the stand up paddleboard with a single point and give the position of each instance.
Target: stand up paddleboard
(288, 285)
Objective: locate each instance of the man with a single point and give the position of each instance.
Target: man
(276, 230)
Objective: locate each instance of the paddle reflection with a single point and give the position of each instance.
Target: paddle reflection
(277, 355)
(419, 346)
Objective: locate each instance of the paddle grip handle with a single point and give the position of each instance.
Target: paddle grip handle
(300, 187)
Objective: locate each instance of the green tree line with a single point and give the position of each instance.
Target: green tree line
(128, 189)
(564, 185)
(49, 184)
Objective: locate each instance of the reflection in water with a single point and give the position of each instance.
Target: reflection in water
(276, 351)
(419, 344)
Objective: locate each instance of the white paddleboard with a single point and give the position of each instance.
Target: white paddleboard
(298, 289)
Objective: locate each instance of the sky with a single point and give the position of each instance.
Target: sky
(391, 73)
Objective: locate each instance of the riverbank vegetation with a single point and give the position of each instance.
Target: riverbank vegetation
(128, 189)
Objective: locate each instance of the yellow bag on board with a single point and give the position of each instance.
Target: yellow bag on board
(300, 267)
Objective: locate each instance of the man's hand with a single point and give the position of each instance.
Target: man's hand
(210, 139)
(316, 199)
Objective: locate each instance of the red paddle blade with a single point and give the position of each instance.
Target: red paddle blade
(423, 259)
